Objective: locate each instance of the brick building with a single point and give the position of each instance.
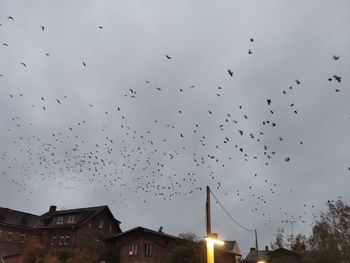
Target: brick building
(56, 229)
(228, 253)
(142, 245)
(16, 228)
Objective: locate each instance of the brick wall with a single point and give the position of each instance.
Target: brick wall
(159, 250)
(12, 239)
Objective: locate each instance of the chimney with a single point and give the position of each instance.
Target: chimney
(52, 210)
(266, 248)
(160, 230)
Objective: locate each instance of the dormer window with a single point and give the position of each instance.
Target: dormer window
(71, 219)
(59, 220)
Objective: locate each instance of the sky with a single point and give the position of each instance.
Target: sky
(139, 105)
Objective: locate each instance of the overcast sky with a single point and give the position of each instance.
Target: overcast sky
(130, 104)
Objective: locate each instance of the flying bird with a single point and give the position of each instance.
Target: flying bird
(230, 72)
(167, 56)
(268, 101)
(42, 28)
(100, 27)
(252, 40)
(84, 64)
(250, 52)
(297, 82)
(5, 44)
(23, 64)
(10, 17)
(337, 78)
(335, 57)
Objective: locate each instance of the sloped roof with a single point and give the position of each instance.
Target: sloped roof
(27, 220)
(85, 213)
(18, 218)
(251, 257)
(229, 246)
(145, 230)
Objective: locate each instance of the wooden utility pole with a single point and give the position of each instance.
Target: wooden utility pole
(256, 246)
(208, 217)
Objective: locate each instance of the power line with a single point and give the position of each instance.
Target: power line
(230, 216)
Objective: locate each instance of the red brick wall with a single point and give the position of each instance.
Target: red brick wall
(83, 235)
(15, 245)
(160, 247)
(13, 259)
(92, 230)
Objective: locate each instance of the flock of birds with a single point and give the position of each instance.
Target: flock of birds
(146, 161)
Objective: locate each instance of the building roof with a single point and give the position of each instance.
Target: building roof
(229, 246)
(18, 218)
(22, 219)
(145, 230)
(85, 213)
(251, 257)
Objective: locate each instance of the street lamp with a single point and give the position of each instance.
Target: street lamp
(212, 239)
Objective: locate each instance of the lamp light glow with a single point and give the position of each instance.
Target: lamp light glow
(215, 241)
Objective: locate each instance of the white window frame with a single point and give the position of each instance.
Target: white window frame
(53, 240)
(59, 220)
(23, 238)
(9, 237)
(148, 249)
(61, 241)
(100, 224)
(133, 249)
(71, 219)
(66, 240)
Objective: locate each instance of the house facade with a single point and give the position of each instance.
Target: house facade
(142, 245)
(57, 229)
(16, 228)
(228, 253)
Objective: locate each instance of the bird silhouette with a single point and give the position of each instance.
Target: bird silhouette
(167, 56)
(230, 72)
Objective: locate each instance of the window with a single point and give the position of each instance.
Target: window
(9, 237)
(100, 225)
(23, 238)
(53, 240)
(133, 250)
(71, 219)
(59, 220)
(148, 249)
(61, 241)
(66, 241)
(90, 225)
(110, 229)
